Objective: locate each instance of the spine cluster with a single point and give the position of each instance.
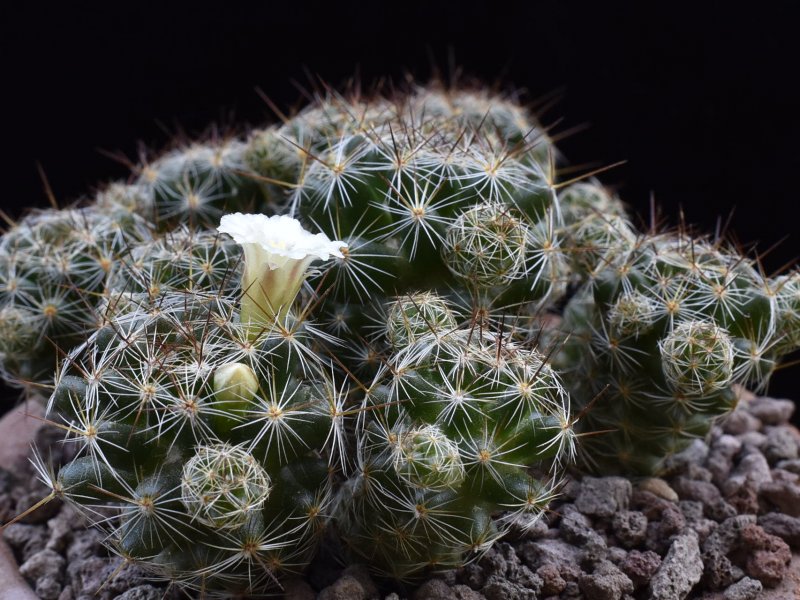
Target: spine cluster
(218, 449)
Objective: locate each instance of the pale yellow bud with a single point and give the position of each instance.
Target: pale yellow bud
(235, 382)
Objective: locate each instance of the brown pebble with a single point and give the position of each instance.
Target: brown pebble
(659, 487)
(768, 555)
(783, 494)
(640, 566)
(554, 584)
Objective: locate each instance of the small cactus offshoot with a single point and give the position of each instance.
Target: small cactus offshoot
(660, 332)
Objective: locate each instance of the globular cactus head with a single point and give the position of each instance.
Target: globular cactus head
(632, 314)
(583, 200)
(661, 330)
(697, 358)
(415, 316)
(596, 228)
(217, 444)
(276, 161)
(786, 290)
(427, 196)
(183, 259)
(18, 331)
(486, 245)
(223, 485)
(54, 268)
(445, 438)
(425, 458)
(196, 184)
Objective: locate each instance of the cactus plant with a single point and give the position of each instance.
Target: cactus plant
(343, 166)
(447, 203)
(54, 266)
(195, 184)
(660, 332)
(427, 368)
(422, 189)
(215, 436)
(183, 259)
(449, 428)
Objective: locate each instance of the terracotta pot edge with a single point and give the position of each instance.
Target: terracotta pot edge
(17, 430)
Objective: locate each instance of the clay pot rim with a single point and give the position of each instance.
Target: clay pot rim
(18, 428)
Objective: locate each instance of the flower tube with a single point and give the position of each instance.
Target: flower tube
(277, 254)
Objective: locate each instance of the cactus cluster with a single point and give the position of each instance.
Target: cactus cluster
(452, 192)
(422, 389)
(452, 423)
(195, 185)
(659, 337)
(54, 268)
(217, 442)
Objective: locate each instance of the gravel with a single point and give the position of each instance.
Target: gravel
(784, 526)
(744, 589)
(680, 570)
(719, 525)
(603, 496)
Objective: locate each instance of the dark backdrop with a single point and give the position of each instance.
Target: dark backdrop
(700, 100)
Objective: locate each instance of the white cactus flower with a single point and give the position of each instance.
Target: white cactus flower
(277, 254)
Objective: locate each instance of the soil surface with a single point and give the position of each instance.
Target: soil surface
(721, 525)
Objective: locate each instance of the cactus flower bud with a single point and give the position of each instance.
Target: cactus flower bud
(277, 253)
(235, 382)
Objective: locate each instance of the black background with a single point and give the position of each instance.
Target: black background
(702, 101)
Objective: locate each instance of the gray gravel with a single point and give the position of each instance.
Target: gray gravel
(721, 525)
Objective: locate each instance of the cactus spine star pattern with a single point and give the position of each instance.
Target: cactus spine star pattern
(54, 267)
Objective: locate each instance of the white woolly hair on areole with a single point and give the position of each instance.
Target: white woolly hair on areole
(277, 254)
